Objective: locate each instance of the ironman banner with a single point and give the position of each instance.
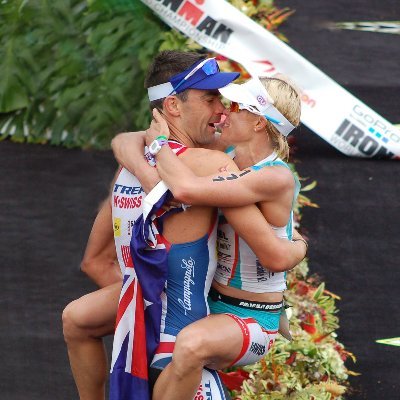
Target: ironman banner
(327, 109)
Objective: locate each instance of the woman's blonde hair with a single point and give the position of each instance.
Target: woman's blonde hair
(287, 101)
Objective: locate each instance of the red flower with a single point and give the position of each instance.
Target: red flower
(291, 359)
(308, 324)
(302, 288)
(233, 380)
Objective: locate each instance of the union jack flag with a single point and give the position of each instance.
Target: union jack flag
(137, 332)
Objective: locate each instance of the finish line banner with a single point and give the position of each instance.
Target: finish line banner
(327, 109)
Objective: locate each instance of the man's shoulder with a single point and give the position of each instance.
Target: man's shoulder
(206, 161)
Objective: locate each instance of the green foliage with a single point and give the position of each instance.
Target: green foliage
(73, 71)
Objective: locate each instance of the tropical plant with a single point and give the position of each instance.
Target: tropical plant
(72, 71)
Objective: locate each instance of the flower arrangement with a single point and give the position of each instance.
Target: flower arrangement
(312, 366)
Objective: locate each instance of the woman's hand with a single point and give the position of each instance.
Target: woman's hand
(158, 127)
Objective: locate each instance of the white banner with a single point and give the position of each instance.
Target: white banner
(328, 109)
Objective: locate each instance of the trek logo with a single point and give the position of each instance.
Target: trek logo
(188, 265)
(183, 12)
(257, 349)
(129, 190)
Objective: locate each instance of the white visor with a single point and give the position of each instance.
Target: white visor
(254, 94)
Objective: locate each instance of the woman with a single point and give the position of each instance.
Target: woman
(246, 298)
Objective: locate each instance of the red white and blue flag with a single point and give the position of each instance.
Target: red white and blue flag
(137, 332)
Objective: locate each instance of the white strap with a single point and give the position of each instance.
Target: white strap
(285, 126)
(152, 198)
(160, 91)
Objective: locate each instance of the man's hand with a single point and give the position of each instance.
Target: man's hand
(158, 127)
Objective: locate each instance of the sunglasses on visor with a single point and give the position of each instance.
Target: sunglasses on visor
(236, 107)
(209, 66)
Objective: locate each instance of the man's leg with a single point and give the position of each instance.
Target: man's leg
(215, 341)
(85, 321)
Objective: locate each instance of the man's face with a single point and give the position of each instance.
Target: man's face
(199, 113)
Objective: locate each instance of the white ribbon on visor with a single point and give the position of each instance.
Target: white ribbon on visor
(265, 107)
(160, 91)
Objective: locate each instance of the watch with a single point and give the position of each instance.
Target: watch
(155, 146)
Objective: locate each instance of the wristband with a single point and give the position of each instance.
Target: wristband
(161, 137)
(156, 145)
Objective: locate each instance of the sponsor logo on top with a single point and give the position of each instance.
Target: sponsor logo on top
(362, 132)
(188, 281)
(117, 227)
(261, 100)
(190, 18)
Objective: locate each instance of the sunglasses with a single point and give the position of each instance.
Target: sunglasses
(209, 66)
(236, 107)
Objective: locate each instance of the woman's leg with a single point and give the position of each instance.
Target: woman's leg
(215, 341)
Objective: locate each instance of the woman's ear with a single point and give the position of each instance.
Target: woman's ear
(260, 124)
(171, 106)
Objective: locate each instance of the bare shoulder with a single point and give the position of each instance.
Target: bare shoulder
(204, 162)
(277, 178)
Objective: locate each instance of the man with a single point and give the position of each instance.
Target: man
(187, 95)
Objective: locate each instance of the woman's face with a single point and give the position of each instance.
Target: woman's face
(238, 126)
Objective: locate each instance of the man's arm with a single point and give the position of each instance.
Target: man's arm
(128, 150)
(99, 261)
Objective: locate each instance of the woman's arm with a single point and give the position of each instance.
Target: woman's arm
(100, 259)
(229, 188)
(128, 150)
(249, 222)
(273, 253)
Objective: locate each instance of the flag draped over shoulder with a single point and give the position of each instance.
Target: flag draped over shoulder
(137, 332)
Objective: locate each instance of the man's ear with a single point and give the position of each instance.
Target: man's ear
(171, 106)
(260, 124)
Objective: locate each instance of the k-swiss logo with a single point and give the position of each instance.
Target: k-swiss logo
(127, 202)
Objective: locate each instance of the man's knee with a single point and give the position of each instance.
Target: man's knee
(72, 327)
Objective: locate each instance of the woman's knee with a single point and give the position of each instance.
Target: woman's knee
(191, 346)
